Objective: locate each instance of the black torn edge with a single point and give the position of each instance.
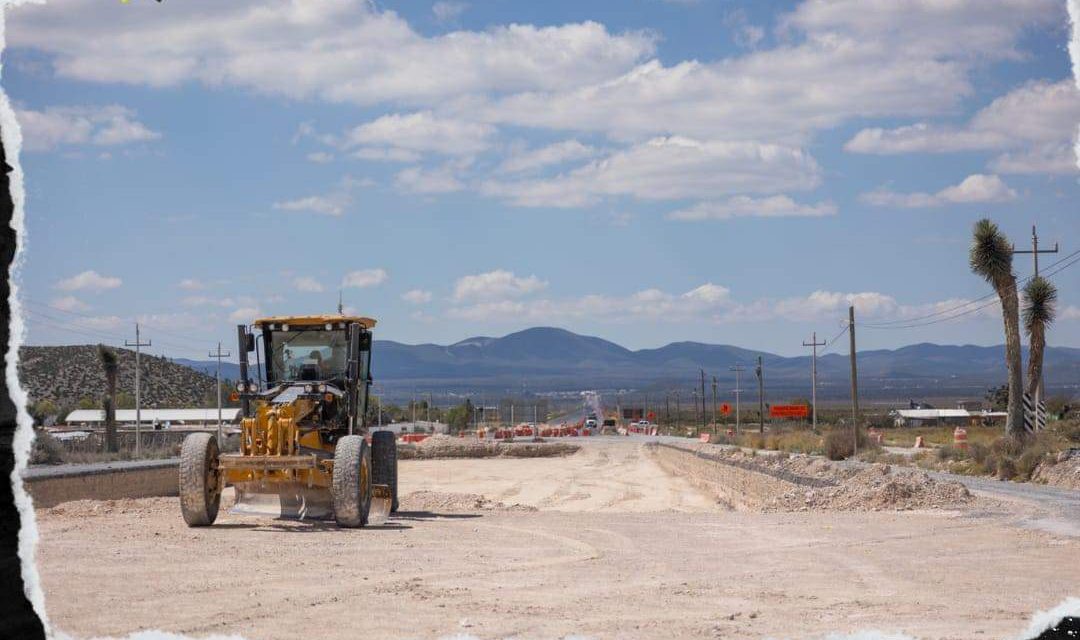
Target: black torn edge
(19, 617)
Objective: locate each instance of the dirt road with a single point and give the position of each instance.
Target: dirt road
(602, 557)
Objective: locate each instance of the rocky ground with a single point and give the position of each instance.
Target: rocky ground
(617, 540)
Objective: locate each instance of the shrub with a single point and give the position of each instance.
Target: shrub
(46, 449)
(1006, 469)
(839, 444)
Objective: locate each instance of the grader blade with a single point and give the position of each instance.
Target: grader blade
(282, 500)
(380, 503)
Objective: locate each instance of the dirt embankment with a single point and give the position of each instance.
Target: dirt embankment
(802, 483)
(440, 446)
(1063, 472)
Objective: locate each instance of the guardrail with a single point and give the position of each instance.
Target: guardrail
(53, 485)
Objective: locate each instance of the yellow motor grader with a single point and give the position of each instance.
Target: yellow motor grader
(303, 451)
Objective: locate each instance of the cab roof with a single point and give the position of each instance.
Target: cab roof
(307, 321)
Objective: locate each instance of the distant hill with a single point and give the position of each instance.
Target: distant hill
(69, 373)
(551, 359)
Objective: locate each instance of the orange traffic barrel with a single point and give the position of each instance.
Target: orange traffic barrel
(959, 437)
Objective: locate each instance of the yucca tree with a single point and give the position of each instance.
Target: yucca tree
(991, 257)
(110, 364)
(1040, 302)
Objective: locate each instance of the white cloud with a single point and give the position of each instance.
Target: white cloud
(779, 206)
(553, 154)
(499, 283)
(81, 125)
(385, 155)
(976, 188)
(654, 304)
(320, 157)
(88, 281)
(68, 303)
(836, 61)
(421, 132)
(333, 203)
(448, 11)
(337, 50)
(1070, 312)
(326, 205)
(364, 278)
(428, 181)
(669, 168)
(191, 284)
(307, 284)
(245, 314)
(1035, 124)
(102, 323)
(416, 296)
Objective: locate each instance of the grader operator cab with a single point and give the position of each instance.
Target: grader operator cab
(303, 446)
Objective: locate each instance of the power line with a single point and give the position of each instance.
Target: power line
(1059, 265)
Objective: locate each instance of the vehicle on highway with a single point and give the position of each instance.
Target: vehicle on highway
(303, 451)
(590, 423)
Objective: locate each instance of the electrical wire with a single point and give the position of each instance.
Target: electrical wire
(1050, 270)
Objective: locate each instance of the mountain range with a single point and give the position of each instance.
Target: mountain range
(546, 359)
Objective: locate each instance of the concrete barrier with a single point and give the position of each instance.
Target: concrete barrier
(50, 486)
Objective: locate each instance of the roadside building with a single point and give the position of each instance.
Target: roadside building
(155, 418)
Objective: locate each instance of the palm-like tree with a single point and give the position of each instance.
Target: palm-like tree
(110, 364)
(991, 257)
(1040, 301)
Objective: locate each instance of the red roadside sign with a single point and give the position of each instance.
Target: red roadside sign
(725, 409)
(789, 411)
(652, 416)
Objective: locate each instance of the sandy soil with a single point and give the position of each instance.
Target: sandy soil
(602, 555)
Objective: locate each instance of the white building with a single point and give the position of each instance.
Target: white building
(172, 417)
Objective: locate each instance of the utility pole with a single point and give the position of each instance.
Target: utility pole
(738, 390)
(138, 398)
(813, 375)
(703, 399)
(218, 356)
(1035, 251)
(678, 411)
(714, 420)
(761, 395)
(693, 396)
(854, 382)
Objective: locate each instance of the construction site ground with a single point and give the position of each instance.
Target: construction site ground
(621, 539)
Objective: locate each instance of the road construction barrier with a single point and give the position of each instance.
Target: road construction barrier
(414, 437)
(919, 444)
(704, 437)
(959, 438)
(731, 433)
(875, 435)
(481, 433)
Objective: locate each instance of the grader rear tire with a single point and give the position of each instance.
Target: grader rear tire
(351, 481)
(384, 463)
(200, 482)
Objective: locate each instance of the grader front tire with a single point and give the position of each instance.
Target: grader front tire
(200, 483)
(351, 482)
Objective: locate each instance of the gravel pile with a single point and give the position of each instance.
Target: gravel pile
(809, 483)
(441, 501)
(441, 446)
(1063, 472)
(877, 488)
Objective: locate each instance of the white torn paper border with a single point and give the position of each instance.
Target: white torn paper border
(24, 430)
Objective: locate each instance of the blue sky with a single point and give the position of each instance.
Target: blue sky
(647, 172)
